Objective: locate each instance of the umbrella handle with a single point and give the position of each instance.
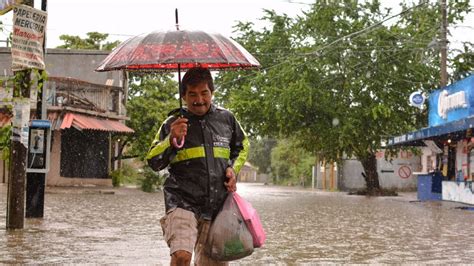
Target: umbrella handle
(180, 145)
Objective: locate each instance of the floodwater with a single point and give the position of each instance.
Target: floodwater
(90, 225)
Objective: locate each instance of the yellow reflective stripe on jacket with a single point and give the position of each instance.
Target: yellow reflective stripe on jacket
(242, 158)
(220, 152)
(159, 148)
(199, 152)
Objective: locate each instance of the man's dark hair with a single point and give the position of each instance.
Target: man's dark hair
(194, 76)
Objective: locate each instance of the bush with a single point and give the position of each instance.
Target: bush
(151, 180)
(146, 178)
(125, 175)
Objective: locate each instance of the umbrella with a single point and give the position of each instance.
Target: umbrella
(178, 50)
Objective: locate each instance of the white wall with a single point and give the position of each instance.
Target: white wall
(457, 192)
(397, 173)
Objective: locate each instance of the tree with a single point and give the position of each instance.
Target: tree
(151, 97)
(260, 148)
(336, 82)
(463, 62)
(94, 41)
(291, 164)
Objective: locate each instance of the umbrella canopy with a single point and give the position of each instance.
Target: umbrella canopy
(176, 50)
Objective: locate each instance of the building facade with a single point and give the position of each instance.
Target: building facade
(447, 143)
(87, 113)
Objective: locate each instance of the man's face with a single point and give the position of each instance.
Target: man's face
(198, 98)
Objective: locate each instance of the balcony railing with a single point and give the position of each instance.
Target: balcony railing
(76, 95)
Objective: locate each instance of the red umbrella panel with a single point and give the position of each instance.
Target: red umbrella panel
(176, 50)
(173, 50)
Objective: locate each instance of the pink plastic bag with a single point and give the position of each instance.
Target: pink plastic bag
(250, 216)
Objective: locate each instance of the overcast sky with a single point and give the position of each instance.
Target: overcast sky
(124, 19)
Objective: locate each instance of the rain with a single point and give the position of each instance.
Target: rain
(362, 154)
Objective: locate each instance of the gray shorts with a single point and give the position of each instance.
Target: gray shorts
(182, 231)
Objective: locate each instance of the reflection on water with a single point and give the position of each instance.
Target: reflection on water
(84, 226)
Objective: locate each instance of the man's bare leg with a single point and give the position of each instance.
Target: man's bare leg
(181, 258)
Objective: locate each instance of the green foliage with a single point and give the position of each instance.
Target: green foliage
(117, 177)
(337, 94)
(291, 164)
(5, 133)
(463, 62)
(24, 81)
(151, 180)
(94, 41)
(145, 177)
(151, 97)
(125, 175)
(259, 153)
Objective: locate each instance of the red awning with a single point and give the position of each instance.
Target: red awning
(4, 120)
(93, 123)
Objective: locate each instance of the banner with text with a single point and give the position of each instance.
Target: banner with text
(7, 5)
(29, 26)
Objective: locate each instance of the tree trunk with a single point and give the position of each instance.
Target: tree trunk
(371, 176)
(120, 156)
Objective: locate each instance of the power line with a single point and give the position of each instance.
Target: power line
(354, 34)
(110, 34)
(300, 3)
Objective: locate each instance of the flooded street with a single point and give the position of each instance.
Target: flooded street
(91, 225)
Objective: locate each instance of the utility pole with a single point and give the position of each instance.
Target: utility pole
(16, 184)
(36, 182)
(444, 44)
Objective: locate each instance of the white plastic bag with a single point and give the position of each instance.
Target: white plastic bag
(229, 238)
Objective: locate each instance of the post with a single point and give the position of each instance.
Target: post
(16, 184)
(36, 182)
(4, 170)
(332, 177)
(323, 176)
(444, 41)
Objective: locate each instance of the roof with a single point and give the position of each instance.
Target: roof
(249, 165)
(442, 131)
(83, 122)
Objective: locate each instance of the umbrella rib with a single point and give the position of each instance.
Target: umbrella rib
(131, 55)
(114, 52)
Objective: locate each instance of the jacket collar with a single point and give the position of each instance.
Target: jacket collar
(211, 110)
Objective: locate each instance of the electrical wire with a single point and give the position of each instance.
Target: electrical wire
(351, 35)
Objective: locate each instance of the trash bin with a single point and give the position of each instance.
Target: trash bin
(430, 186)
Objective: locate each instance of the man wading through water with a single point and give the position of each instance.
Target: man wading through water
(201, 172)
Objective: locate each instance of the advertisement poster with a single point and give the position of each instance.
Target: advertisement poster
(29, 26)
(21, 117)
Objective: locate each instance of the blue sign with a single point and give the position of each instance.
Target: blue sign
(40, 124)
(417, 99)
(452, 103)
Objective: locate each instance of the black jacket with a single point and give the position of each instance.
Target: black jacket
(214, 142)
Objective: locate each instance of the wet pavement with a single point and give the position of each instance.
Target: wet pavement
(120, 226)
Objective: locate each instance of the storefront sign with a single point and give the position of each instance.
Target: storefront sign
(29, 25)
(452, 103)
